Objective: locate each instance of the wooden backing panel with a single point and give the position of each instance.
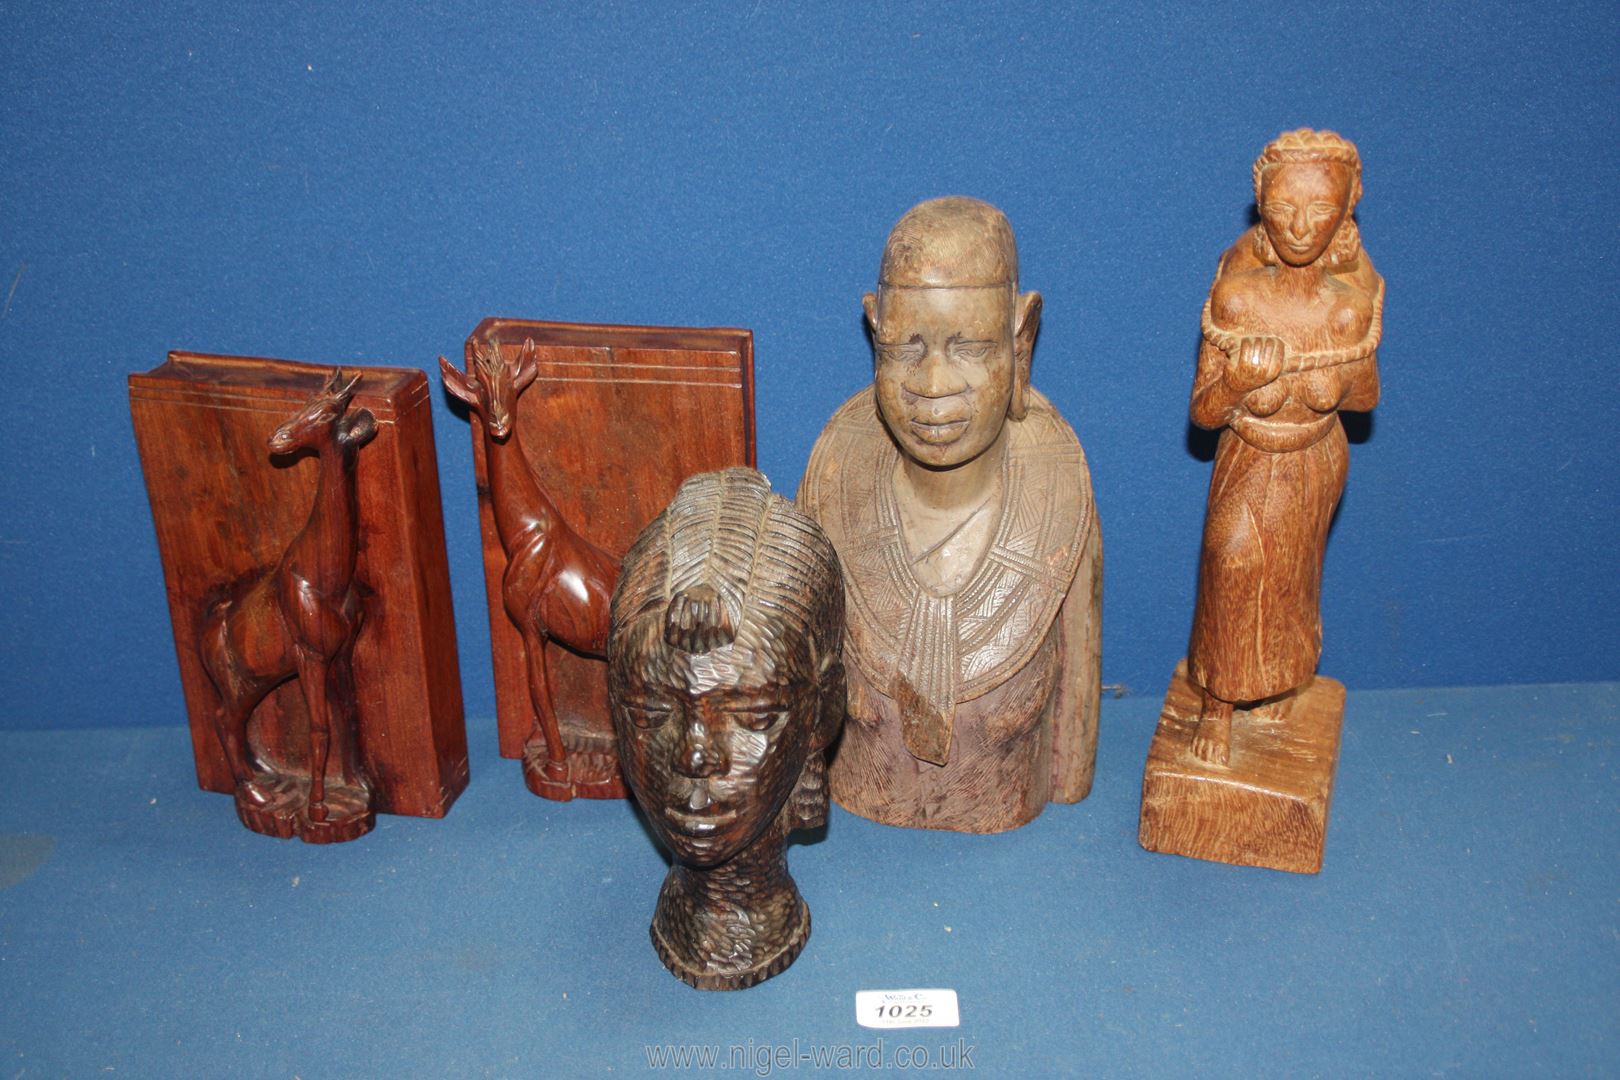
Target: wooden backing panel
(618, 417)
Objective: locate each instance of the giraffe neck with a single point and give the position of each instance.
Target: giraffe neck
(521, 504)
(325, 551)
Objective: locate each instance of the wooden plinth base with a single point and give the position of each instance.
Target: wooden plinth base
(1268, 806)
(348, 812)
(717, 977)
(590, 775)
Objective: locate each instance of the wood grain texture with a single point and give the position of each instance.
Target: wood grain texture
(1290, 337)
(726, 678)
(1268, 806)
(961, 506)
(616, 419)
(226, 509)
(557, 585)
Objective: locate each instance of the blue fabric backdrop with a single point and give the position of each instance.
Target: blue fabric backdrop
(365, 183)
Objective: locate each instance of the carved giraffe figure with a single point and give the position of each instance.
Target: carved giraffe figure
(558, 586)
(299, 619)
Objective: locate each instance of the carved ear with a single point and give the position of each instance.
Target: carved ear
(808, 806)
(833, 691)
(1027, 312)
(458, 383)
(527, 368)
(357, 429)
(342, 391)
(869, 305)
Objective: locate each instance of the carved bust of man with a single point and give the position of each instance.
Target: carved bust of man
(726, 679)
(961, 507)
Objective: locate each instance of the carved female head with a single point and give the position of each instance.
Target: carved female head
(725, 666)
(953, 337)
(1306, 185)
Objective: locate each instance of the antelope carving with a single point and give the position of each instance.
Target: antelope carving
(558, 586)
(299, 619)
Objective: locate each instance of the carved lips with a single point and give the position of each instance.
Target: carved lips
(697, 814)
(938, 421)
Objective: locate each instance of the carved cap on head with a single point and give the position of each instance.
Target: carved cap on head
(952, 241)
(1308, 144)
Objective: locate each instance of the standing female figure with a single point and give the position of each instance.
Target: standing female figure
(1291, 330)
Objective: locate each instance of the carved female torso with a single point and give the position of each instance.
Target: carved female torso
(1323, 314)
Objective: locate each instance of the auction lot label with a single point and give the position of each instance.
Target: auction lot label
(906, 1008)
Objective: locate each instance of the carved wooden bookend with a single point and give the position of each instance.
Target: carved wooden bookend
(308, 588)
(961, 507)
(727, 685)
(557, 585)
(1241, 767)
(298, 620)
(581, 435)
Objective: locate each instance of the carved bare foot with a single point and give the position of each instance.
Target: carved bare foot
(1212, 742)
(1212, 738)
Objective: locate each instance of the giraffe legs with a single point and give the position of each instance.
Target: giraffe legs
(340, 811)
(547, 775)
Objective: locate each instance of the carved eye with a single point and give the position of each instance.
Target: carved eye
(973, 350)
(762, 720)
(647, 714)
(904, 352)
(1323, 210)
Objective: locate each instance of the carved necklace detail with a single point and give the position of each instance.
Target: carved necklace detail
(931, 651)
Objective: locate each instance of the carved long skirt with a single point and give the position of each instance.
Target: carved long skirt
(1257, 627)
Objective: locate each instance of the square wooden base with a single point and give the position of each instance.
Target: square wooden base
(1268, 806)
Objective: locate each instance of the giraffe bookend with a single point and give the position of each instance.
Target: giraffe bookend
(298, 619)
(557, 586)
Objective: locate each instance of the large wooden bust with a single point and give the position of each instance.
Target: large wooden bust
(961, 507)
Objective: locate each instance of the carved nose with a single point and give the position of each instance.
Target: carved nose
(933, 377)
(700, 754)
(1300, 227)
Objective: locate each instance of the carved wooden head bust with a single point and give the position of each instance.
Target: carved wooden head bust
(952, 334)
(727, 685)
